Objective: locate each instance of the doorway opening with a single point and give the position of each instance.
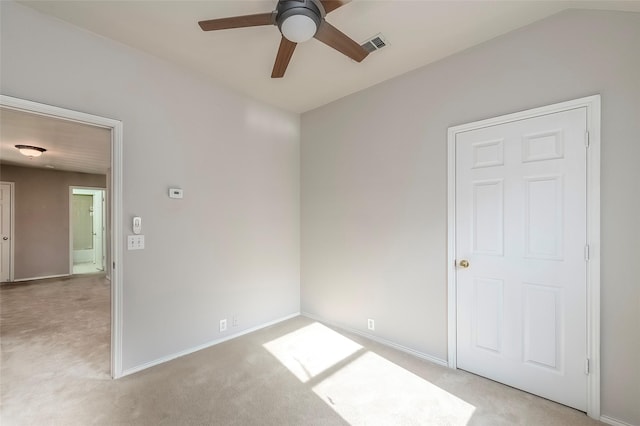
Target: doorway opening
(87, 230)
(112, 214)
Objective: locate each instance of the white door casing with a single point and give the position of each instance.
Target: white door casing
(523, 313)
(115, 206)
(6, 231)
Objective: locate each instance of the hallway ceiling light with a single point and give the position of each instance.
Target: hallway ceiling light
(30, 151)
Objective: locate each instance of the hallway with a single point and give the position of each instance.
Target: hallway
(53, 332)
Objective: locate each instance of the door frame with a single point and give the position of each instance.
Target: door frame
(592, 104)
(12, 219)
(104, 230)
(115, 208)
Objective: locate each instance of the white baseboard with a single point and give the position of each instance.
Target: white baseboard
(380, 340)
(40, 278)
(615, 422)
(164, 359)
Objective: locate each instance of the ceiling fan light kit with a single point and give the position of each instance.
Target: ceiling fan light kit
(298, 21)
(298, 28)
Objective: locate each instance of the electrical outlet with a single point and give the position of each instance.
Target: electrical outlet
(371, 325)
(223, 324)
(234, 321)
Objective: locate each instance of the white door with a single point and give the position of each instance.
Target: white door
(5, 231)
(98, 229)
(521, 225)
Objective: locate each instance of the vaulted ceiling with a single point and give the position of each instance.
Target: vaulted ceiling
(418, 32)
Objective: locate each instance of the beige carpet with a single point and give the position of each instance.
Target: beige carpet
(55, 361)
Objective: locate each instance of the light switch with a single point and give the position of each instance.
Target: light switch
(135, 242)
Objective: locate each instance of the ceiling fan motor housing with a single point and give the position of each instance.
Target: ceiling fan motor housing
(309, 8)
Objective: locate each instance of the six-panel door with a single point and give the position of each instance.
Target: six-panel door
(521, 224)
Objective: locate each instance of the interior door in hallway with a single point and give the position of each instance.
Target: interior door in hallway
(99, 229)
(5, 231)
(520, 254)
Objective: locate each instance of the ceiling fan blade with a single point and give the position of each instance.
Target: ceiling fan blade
(237, 22)
(285, 51)
(330, 5)
(333, 37)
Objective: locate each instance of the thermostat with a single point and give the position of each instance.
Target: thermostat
(175, 193)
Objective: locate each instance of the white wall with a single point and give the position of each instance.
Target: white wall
(374, 183)
(231, 246)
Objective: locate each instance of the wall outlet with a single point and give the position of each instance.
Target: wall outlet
(223, 324)
(371, 325)
(234, 321)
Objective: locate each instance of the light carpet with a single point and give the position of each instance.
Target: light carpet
(55, 363)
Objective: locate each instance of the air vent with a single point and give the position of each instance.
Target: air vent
(376, 42)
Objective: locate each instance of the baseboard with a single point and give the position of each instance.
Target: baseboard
(209, 344)
(380, 340)
(615, 422)
(40, 278)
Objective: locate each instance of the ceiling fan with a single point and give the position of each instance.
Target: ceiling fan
(298, 21)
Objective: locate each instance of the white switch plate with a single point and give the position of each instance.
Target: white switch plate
(135, 242)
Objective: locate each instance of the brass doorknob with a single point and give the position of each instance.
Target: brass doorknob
(463, 263)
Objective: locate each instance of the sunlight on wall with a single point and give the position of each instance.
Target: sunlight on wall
(361, 386)
(311, 350)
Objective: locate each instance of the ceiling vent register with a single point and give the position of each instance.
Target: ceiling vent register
(376, 42)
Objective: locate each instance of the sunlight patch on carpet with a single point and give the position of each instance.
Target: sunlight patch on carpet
(373, 390)
(360, 385)
(311, 350)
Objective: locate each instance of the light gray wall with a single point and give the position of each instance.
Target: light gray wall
(231, 246)
(374, 183)
(41, 208)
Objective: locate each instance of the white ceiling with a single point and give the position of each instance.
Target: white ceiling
(418, 33)
(70, 146)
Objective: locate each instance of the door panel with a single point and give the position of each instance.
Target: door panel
(542, 325)
(521, 224)
(487, 310)
(543, 220)
(488, 217)
(5, 232)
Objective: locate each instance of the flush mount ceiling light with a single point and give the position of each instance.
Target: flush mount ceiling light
(30, 151)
